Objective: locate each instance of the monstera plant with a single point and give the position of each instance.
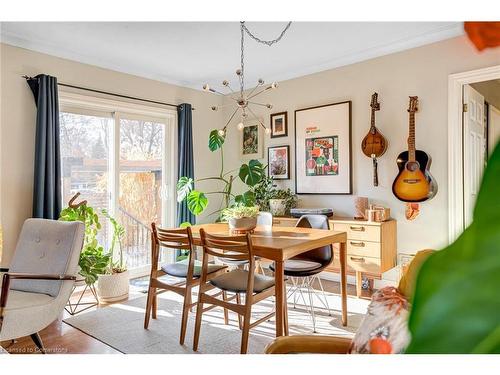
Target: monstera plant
(197, 201)
(456, 307)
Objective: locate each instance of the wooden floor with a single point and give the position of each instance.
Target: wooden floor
(59, 337)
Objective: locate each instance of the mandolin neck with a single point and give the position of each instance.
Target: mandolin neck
(372, 127)
(411, 138)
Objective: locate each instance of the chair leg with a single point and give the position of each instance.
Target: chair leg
(324, 296)
(38, 342)
(155, 305)
(197, 325)
(226, 314)
(310, 292)
(149, 303)
(185, 313)
(238, 301)
(246, 330)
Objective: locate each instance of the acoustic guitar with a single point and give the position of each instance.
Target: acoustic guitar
(374, 144)
(414, 182)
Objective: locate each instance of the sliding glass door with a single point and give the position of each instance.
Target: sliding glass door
(118, 161)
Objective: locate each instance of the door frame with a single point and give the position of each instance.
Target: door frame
(455, 143)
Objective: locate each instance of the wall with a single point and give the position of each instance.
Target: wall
(18, 123)
(421, 71)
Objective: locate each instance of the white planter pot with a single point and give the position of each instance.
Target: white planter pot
(278, 207)
(245, 224)
(113, 288)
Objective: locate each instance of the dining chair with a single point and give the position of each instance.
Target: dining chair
(188, 271)
(254, 287)
(304, 269)
(40, 279)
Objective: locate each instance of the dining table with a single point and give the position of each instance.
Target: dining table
(279, 244)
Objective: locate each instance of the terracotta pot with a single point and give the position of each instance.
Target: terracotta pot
(113, 288)
(245, 224)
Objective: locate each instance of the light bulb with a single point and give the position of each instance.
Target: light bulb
(240, 126)
(274, 85)
(261, 81)
(225, 83)
(206, 87)
(267, 131)
(221, 132)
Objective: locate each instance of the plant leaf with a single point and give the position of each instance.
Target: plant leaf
(184, 187)
(185, 224)
(197, 202)
(252, 173)
(215, 140)
(456, 308)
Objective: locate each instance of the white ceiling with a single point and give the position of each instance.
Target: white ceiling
(193, 53)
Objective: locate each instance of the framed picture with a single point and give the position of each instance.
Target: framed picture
(278, 162)
(279, 124)
(323, 149)
(251, 141)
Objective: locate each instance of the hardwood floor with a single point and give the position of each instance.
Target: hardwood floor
(60, 337)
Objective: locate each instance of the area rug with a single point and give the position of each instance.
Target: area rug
(121, 326)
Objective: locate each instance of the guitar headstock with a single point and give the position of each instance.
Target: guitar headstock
(413, 106)
(374, 103)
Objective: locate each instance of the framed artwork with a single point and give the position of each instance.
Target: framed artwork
(251, 141)
(323, 149)
(278, 162)
(279, 124)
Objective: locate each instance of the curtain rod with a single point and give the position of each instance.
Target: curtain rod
(112, 94)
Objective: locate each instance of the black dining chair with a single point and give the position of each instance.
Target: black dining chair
(304, 269)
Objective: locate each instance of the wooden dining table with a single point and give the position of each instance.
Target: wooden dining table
(280, 244)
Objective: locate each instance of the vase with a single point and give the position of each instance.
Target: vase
(242, 225)
(278, 207)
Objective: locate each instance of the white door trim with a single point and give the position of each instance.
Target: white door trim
(455, 143)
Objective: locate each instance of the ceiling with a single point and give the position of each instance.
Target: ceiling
(193, 53)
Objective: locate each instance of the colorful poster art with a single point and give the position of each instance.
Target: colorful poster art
(322, 155)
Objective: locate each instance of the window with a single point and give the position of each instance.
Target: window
(121, 162)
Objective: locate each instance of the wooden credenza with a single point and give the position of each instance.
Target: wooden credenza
(371, 246)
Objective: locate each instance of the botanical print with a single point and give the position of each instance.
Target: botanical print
(322, 156)
(250, 139)
(278, 125)
(278, 162)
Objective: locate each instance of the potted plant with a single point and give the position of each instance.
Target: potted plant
(241, 219)
(113, 284)
(282, 201)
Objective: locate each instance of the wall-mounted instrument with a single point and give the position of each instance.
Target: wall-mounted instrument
(374, 144)
(414, 182)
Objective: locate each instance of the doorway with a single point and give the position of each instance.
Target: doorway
(473, 131)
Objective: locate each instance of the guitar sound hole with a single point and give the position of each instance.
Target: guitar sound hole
(412, 166)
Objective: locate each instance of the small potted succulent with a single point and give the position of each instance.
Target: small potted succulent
(241, 219)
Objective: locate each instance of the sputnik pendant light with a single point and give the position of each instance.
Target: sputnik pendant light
(244, 101)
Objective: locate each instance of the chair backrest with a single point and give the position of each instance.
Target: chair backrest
(265, 219)
(323, 255)
(227, 247)
(177, 238)
(47, 247)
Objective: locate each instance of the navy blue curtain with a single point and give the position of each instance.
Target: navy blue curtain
(185, 156)
(47, 179)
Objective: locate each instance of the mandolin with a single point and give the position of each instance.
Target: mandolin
(374, 144)
(414, 182)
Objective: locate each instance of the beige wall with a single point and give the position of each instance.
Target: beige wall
(421, 71)
(18, 123)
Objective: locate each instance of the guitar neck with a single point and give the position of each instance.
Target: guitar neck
(411, 138)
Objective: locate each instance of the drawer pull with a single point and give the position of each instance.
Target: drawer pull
(357, 229)
(359, 260)
(357, 244)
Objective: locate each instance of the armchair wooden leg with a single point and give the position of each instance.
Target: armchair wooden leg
(226, 314)
(185, 313)
(149, 304)
(38, 342)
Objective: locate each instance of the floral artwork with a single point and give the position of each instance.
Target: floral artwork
(279, 162)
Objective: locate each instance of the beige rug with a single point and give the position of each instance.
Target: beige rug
(121, 326)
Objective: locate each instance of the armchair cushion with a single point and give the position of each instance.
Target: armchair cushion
(46, 247)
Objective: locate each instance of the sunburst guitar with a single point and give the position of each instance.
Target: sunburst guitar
(414, 182)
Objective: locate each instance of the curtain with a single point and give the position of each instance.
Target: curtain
(185, 157)
(47, 197)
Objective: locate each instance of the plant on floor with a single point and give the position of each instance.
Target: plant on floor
(116, 242)
(197, 201)
(456, 305)
(93, 261)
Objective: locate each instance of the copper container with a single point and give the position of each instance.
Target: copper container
(378, 214)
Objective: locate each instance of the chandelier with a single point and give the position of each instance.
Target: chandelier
(243, 101)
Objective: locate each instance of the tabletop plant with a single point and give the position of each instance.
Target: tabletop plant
(93, 261)
(197, 200)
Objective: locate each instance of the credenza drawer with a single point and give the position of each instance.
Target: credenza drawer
(364, 264)
(359, 231)
(363, 248)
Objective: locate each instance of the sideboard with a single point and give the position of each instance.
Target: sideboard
(371, 246)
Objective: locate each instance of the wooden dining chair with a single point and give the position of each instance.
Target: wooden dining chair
(254, 287)
(188, 271)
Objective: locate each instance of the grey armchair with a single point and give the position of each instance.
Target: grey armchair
(40, 278)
